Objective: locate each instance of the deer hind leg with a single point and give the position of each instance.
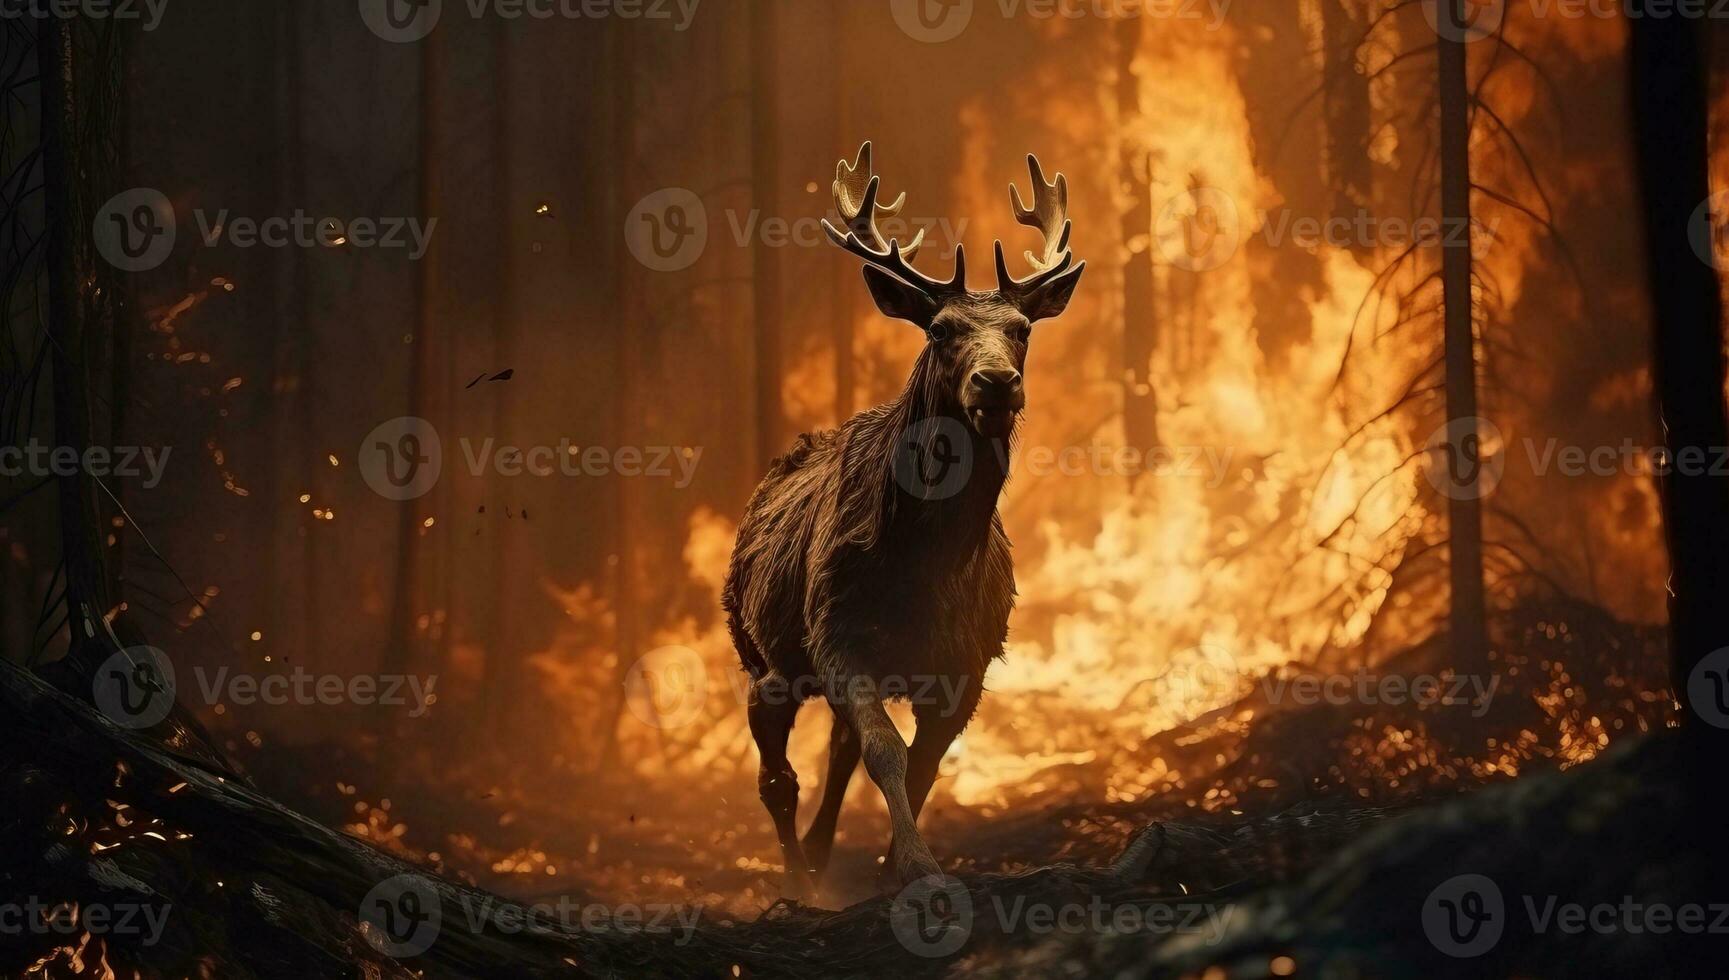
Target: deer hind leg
(772, 711)
(843, 757)
(885, 758)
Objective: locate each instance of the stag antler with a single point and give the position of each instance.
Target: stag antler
(855, 197)
(1050, 215)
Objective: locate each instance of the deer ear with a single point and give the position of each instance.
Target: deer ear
(1051, 298)
(900, 300)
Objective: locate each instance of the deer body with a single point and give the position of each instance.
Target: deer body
(867, 566)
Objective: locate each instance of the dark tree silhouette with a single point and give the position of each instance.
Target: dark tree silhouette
(1467, 626)
(78, 158)
(765, 263)
(1346, 109)
(1668, 75)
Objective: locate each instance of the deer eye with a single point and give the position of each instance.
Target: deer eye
(938, 332)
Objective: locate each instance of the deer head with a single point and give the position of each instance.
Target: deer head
(976, 341)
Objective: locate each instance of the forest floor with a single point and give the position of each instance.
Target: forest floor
(1320, 840)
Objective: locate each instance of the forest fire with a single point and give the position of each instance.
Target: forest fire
(1352, 563)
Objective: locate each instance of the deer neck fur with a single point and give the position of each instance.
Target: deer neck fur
(941, 530)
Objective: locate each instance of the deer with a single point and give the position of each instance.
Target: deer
(871, 563)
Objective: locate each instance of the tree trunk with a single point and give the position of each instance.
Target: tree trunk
(1467, 627)
(1668, 74)
(498, 673)
(845, 287)
(1345, 108)
(627, 630)
(405, 639)
(765, 263)
(78, 312)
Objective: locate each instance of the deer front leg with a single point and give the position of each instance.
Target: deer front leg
(885, 758)
(939, 724)
(843, 758)
(772, 711)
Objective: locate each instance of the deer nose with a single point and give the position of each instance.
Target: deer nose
(997, 381)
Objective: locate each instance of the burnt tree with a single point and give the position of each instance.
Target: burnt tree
(1668, 75)
(1467, 624)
